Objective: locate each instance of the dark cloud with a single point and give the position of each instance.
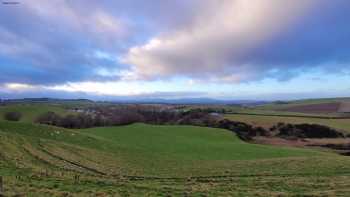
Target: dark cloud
(321, 38)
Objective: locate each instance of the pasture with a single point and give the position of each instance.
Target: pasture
(151, 160)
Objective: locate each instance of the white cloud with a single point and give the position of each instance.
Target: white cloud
(19, 87)
(216, 45)
(102, 88)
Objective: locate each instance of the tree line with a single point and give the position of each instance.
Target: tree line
(123, 115)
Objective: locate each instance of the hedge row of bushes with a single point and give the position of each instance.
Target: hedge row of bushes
(12, 116)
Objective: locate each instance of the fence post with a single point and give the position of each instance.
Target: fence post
(1, 186)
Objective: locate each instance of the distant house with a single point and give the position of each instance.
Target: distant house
(77, 110)
(216, 114)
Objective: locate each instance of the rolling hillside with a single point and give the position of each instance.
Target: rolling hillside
(156, 160)
(185, 148)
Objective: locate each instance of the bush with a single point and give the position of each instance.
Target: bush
(50, 118)
(308, 131)
(13, 116)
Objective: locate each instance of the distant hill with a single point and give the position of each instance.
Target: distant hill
(191, 101)
(43, 100)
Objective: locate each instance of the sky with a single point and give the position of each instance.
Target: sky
(136, 49)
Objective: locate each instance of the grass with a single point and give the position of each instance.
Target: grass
(145, 147)
(268, 121)
(149, 160)
(141, 148)
(31, 111)
(187, 142)
(45, 132)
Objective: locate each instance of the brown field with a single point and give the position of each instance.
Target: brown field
(316, 108)
(344, 107)
(269, 121)
(337, 145)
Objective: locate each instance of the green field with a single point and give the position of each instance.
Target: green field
(31, 111)
(269, 121)
(140, 159)
(184, 148)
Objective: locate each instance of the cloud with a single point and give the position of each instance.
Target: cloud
(54, 42)
(238, 40)
(51, 42)
(75, 45)
(18, 87)
(92, 90)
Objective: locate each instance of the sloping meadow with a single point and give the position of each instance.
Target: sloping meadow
(141, 159)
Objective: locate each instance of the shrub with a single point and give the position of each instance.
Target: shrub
(13, 116)
(50, 118)
(308, 131)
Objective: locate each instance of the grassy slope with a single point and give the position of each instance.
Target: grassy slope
(28, 150)
(31, 111)
(184, 147)
(188, 142)
(268, 121)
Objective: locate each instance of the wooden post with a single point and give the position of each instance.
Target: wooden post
(1, 186)
(76, 179)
